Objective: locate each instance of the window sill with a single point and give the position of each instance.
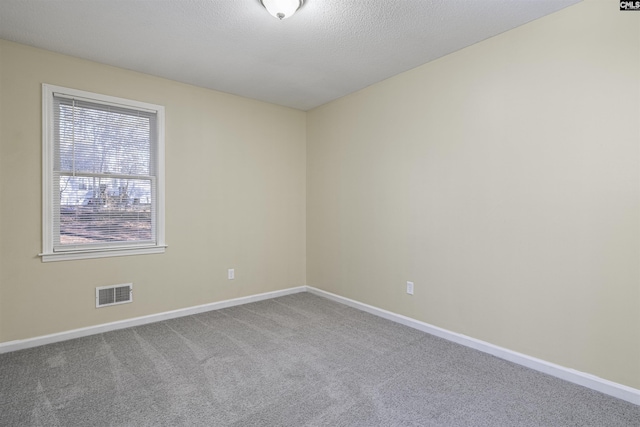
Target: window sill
(101, 253)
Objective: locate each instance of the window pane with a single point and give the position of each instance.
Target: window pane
(104, 210)
(103, 139)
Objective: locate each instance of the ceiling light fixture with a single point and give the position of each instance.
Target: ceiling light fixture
(282, 9)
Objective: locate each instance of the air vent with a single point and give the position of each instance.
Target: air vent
(112, 295)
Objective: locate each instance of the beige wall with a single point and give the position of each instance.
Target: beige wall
(235, 198)
(504, 180)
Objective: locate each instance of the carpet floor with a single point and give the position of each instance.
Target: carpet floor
(298, 360)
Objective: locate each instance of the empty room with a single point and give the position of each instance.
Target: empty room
(319, 213)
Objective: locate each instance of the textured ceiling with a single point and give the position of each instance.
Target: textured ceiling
(328, 49)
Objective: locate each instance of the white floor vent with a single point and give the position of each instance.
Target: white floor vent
(112, 295)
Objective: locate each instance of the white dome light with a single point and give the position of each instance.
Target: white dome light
(282, 9)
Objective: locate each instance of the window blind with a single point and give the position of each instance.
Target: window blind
(104, 175)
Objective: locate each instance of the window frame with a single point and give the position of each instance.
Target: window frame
(48, 144)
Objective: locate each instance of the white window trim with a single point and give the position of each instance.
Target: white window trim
(47, 179)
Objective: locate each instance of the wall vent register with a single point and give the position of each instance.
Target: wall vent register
(113, 295)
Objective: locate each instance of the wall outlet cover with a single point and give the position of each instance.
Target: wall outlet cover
(410, 288)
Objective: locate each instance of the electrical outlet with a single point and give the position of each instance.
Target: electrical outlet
(410, 288)
(231, 274)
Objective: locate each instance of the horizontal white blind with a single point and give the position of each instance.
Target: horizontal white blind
(104, 175)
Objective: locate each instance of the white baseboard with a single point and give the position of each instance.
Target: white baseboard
(143, 320)
(619, 391)
(611, 388)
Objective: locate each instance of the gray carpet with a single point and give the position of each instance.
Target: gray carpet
(299, 360)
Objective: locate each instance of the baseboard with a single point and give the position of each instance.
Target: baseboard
(143, 320)
(611, 388)
(593, 382)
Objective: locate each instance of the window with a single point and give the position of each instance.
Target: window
(103, 175)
